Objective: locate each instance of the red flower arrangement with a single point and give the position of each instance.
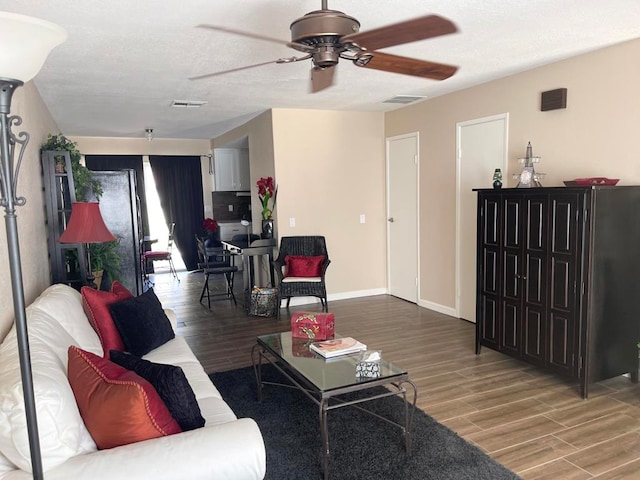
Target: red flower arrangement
(266, 190)
(210, 225)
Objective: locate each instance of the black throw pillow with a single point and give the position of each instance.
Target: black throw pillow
(170, 383)
(142, 323)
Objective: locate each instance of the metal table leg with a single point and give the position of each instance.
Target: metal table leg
(324, 433)
(257, 369)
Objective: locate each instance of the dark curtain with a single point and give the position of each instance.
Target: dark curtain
(124, 162)
(179, 184)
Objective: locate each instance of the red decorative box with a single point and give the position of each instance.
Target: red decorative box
(314, 326)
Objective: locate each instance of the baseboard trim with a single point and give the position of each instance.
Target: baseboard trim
(436, 307)
(295, 301)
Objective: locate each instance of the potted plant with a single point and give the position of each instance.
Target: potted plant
(105, 257)
(82, 176)
(267, 190)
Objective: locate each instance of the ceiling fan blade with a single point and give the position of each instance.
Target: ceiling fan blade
(280, 60)
(321, 78)
(405, 65)
(215, 74)
(298, 46)
(403, 32)
(243, 33)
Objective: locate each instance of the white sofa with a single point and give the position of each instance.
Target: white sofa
(225, 448)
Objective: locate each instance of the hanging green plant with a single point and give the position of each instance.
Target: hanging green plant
(83, 180)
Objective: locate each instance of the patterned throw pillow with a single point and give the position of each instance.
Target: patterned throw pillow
(170, 383)
(117, 406)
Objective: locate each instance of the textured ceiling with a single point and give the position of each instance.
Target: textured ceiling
(126, 60)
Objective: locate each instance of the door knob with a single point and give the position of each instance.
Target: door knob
(390, 219)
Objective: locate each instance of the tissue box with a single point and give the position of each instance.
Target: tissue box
(313, 326)
(368, 369)
(369, 364)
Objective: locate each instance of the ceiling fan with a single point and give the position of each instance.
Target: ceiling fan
(325, 36)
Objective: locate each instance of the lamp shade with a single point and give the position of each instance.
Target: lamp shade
(86, 225)
(26, 43)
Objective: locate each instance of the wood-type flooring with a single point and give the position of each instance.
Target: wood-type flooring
(533, 422)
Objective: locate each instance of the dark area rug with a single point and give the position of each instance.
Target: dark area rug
(361, 446)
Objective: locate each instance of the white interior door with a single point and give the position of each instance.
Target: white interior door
(482, 147)
(402, 216)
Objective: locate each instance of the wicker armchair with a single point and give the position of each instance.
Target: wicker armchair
(298, 286)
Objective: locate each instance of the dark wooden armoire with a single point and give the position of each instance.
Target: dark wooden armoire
(558, 278)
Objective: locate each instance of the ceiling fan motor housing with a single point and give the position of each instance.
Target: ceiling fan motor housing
(323, 29)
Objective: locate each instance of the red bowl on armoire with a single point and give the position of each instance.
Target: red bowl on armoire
(591, 181)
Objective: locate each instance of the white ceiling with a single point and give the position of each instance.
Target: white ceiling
(126, 60)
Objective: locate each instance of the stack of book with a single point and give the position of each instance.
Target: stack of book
(337, 346)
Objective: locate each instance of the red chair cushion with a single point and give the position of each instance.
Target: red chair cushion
(303, 265)
(157, 255)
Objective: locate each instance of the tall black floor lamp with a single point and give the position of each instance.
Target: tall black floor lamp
(25, 43)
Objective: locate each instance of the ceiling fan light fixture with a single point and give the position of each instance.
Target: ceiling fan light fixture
(314, 27)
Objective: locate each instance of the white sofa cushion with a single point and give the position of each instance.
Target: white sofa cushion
(65, 305)
(60, 426)
(225, 448)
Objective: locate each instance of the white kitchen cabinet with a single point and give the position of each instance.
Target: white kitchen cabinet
(231, 169)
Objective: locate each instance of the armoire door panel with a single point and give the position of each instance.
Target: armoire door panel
(535, 280)
(512, 225)
(491, 224)
(490, 271)
(489, 319)
(561, 345)
(510, 339)
(563, 225)
(536, 224)
(535, 337)
(562, 284)
(511, 276)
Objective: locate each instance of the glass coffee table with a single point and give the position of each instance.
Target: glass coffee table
(325, 380)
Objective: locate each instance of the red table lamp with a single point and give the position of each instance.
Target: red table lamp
(86, 226)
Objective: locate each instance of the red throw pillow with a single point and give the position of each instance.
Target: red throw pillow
(117, 405)
(303, 265)
(96, 306)
(120, 289)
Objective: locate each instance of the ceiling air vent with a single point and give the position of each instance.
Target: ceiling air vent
(188, 103)
(404, 99)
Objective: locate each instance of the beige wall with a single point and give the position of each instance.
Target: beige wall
(596, 135)
(330, 169)
(32, 231)
(259, 132)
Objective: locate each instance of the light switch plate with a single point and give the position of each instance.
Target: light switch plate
(231, 208)
(362, 218)
(292, 222)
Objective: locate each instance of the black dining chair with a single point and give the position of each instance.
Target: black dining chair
(164, 255)
(216, 261)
